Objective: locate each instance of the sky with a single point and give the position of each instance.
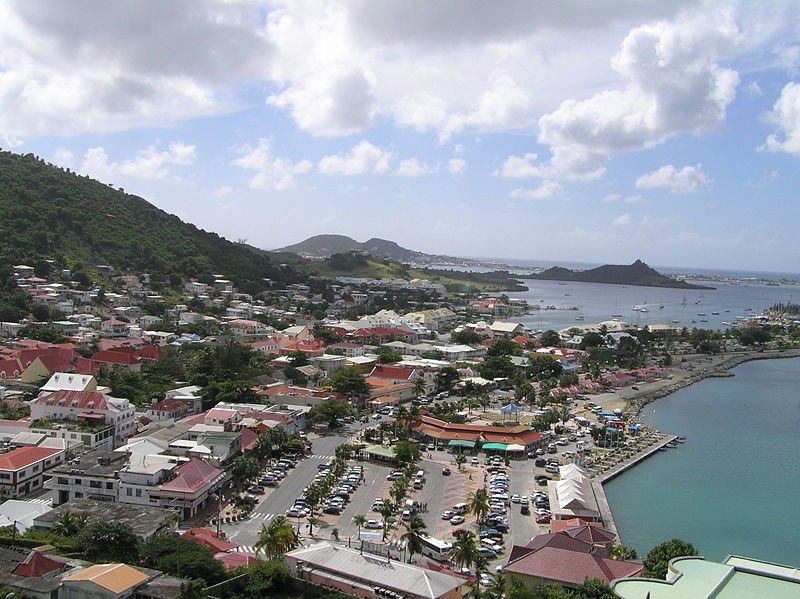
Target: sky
(576, 130)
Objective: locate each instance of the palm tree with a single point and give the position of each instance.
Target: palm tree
(460, 460)
(465, 550)
(415, 530)
(69, 524)
(312, 522)
(359, 520)
(386, 512)
(419, 386)
(497, 588)
(277, 538)
(478, 503)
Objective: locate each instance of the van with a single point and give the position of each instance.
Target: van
(406, 515)
(411, 506)
(489, 544)
(420, 475)
(460, 508)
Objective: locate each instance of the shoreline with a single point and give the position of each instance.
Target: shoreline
(721, 368)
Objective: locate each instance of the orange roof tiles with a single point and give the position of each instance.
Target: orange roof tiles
(112, 577)
(19, 458)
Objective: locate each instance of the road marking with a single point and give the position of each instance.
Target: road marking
(42, 501)
(246, 549)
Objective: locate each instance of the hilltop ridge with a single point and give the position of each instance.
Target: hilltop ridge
(50, 213)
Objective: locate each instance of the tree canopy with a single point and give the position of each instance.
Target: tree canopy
(657, 560)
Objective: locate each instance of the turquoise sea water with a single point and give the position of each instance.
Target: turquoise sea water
(734, 486)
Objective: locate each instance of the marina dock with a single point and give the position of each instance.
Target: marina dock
(616, 466)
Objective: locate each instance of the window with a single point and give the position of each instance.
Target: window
(78, 495)
(109, 486)
(138, 492)
(129, 492)
(95, 484)
(62, 480)
(36, 467)
(78, 481)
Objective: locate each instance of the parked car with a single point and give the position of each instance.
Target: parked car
(525, 510)
(446, 471)
(542, 519)
(457, 519)
(447, 514)
(373, 524)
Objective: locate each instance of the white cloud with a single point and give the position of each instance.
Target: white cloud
(456, 166)
(113, 66)
(272, 173)
(615, 198)
(689, 179)
(547, 190)
(361, 159)
(147, 164)
(516, 167)
(412, 167)
(622, 220)
(63, 157)
(785, 116)
(674, 85)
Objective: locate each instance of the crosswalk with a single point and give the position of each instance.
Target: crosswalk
(322, 458)
(249, 549)
(48, 501)
(261, 516)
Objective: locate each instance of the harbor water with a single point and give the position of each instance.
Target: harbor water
(733, 487)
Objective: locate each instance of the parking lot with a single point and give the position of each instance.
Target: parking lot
(439, 493)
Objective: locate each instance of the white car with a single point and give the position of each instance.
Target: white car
(373, 524)
(515, 498)
(474, 461)
(446, 515)
(457, 519)
(294, 512)
(485, 580)
(523, 499)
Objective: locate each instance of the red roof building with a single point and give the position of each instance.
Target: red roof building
(395, 373)
(36, 565)
(192, 487)
(22, 469)
(567, 561)
(208, 538)
(233, 560)
(435, 429)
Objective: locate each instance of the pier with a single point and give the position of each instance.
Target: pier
(618, 461)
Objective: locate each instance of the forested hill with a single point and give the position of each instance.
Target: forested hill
(637, 273)
(51, 213)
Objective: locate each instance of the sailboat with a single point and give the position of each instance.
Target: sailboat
(615, 315)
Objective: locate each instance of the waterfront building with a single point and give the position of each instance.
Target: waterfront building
(697, 578)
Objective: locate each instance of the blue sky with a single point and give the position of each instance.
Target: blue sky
(576, 131)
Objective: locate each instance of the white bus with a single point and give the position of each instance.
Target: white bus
(436, 549)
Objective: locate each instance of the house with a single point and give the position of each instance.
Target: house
(22, 469)
(93, 477)
(66, 381)
(360, 574)
(112, 326)
(10, 368)
(104, 581)
(89, 407)
(32, 574)
(507, 329)
(118, 360)
(192, 487)
(395, 374)
(169, 408)
(248, 328)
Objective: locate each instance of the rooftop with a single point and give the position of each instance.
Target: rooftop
(143, 519)
(735, 578)
(373, 570)
(116, 578)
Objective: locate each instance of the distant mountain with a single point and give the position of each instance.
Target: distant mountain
(324, 246)
(637, 273)
(52, 214)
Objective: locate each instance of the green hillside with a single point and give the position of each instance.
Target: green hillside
(637, 273)
(79, 223)
(355, 264)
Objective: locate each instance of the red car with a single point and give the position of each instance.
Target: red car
(543, 520)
